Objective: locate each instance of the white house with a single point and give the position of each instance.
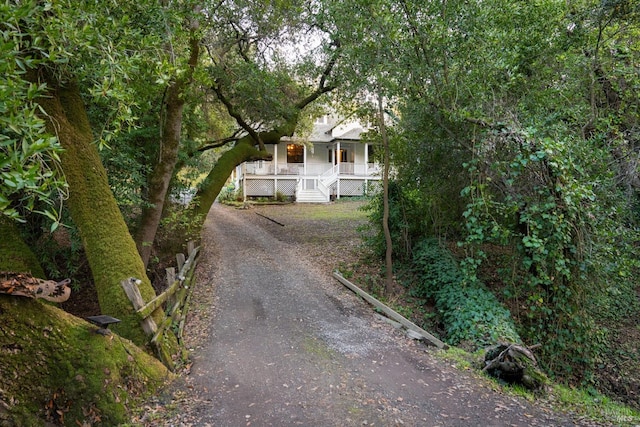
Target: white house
(334, 163)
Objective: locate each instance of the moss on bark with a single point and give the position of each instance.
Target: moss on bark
(51, 361)
(110, 249)
(15, 255)
(243, 150)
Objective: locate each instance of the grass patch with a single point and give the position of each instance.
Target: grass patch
(326, 212)
(316, 348)
(458, 357)
(593, 405)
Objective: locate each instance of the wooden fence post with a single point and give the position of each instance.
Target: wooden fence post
(130, 286)
(180, 260)
(171, 277)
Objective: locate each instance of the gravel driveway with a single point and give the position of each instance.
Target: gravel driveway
(276, 341)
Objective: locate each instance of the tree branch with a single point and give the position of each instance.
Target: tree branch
(217, 143)
(322, 88)
(238, 118)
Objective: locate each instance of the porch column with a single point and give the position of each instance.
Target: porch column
(366, 158)
(275, 159)
(339, 156)
(304, 160)
(334, 159)
(244, 188)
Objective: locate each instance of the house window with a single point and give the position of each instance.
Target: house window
(295, 153)
(322, 120)
(343, 156)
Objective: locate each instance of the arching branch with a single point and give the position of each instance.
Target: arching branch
(322, 84)
(217, 143)
(236, 115)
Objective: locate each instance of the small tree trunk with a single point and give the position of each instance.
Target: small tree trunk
(161, 175)
(388, 286)
(168, 157)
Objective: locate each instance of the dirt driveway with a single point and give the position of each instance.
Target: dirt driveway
(276, 341)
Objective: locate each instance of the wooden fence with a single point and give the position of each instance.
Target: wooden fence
(174, 301)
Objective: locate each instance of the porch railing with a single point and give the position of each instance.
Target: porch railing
(329, 176)
(312, 169)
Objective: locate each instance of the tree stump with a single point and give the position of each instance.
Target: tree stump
(514, 364)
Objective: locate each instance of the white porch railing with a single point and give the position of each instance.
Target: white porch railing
(312, 169)
(323, 189)
(329, 176)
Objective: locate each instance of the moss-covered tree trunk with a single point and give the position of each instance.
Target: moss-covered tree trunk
(244, 150)
(15, 255)
(55, 368)
(168, 157)
(110, 249)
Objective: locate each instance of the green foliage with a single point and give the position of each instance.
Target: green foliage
(470, 312)
(60, 253)
(29, 172)
(435, 269)
(228, 193)
(128, 165)
(405, 221)
(544, 117)
(178, 226)
(280, 197)
(552, 216)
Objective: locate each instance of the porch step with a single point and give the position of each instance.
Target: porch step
(311, 196)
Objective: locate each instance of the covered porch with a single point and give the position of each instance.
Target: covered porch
(315, 173)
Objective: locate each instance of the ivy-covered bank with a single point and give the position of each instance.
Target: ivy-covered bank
(54, 367)
(470, 312)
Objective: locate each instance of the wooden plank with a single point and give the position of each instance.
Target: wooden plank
(130, 287)
(165, 323)
(151, 306)
(188, 264)
(185, 307)
(390, 312)
(145, 310)
(191, 246)
(270, 219)
(171, 277)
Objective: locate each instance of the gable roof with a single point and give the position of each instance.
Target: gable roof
(335, 129)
